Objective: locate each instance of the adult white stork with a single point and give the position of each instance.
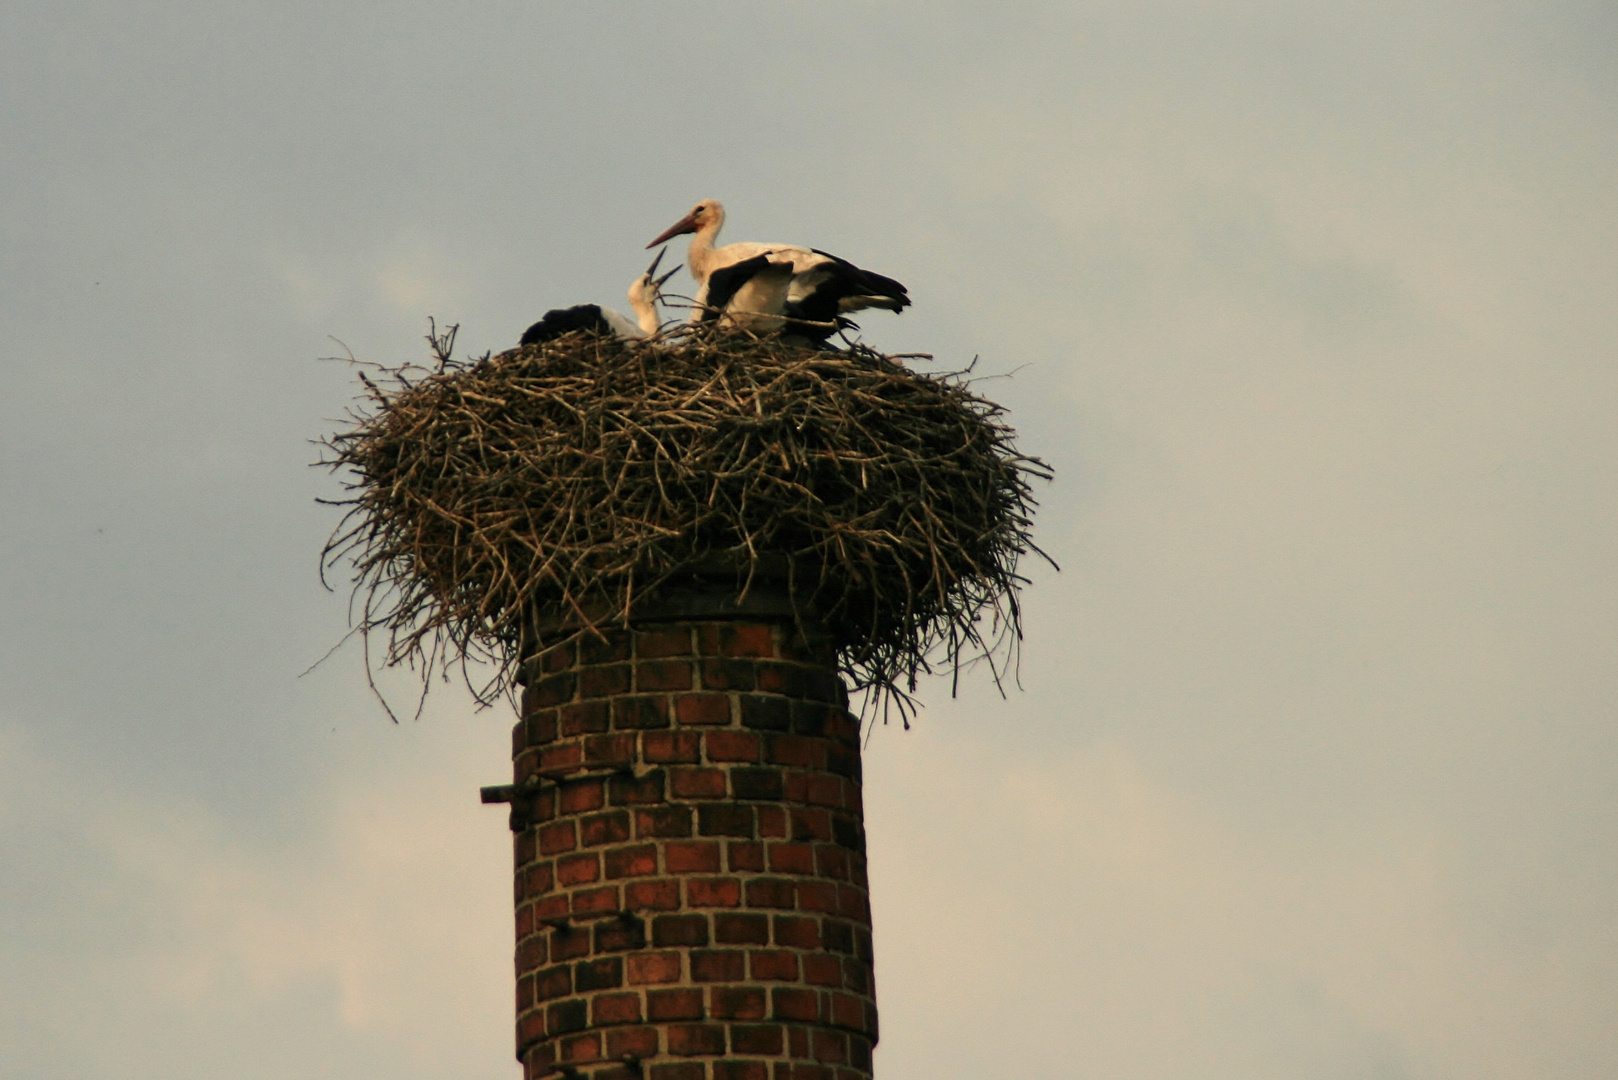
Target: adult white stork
(643, 296)
(751, 295)
(823, 287)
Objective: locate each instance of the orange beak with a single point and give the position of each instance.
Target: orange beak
(687, 224)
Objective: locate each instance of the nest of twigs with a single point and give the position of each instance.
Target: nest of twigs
(562, 485)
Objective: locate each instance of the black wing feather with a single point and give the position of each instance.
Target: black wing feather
(561, 321)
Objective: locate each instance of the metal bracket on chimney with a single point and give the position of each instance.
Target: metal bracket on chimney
(523, 796)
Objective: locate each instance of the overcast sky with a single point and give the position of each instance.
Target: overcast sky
(1314, 771)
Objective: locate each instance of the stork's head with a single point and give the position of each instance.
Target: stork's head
(707, 214)
(645, 293)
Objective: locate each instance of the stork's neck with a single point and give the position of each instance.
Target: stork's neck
(643, 302)
(700, 258)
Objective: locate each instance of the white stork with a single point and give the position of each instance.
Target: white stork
(643, 296)
(751, 295)
(823, 287)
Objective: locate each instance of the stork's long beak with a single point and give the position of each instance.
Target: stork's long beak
(652, 269)
(658, 284)
(687, 224)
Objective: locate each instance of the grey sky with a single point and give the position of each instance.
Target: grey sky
(1313, 774)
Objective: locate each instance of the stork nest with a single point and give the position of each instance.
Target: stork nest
(578, 476)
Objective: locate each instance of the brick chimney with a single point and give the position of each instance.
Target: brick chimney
(691, 895)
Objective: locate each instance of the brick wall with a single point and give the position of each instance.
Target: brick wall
(691, 895)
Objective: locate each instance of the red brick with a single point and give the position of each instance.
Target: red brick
(653, 967)
(670, 930)
(636, 790)
(762, 712)
(745, 639)
(557, 658)
(697, 783)
(652, 895)
(792, 859)
(664, 641)
(830, 1046)
(843, 762)
(735, 928)
(552, 907)
(818, 896)
(823, 969)
(692, 858)
(641, 1042)
(558, 836)
(558, 758)
(737, 1003)
(610, 749)
(616, 935)
(811, 823)
(837, 936)
(569, 944)
(831, 861)
(740, 1070)
(531, 953)
(733, 746)
(718, 965)
(637, 713)
(778, 965)
(541, 725)
(578, 869)
(603, 648)
(654, 675)
(530, 1028)
(825, 790)
(637, 861)
(594, 901)
(848, 1011)
(604, 974)
(552, 983)
(663, 821)
(582, 796)
(538, 879)
(852, 903)
(552, 690)
(797, 931)
(583, 718)
(702, 709)
(615, 1009)
(519, 737)
(763, 784)
(582, 1048)
(727, 675)
(607, 681)
(693, 1040)
(756, 1039)
(859, 1054)
(525, 993)
(792, 750)
(562, 1017)
(609, 828)
(525, 921)
(713, 892)
(770, 893)
(745, 856)
(683, 1004)
(672, 747)
(725, 819)
(684, 1071)
(791, 1004)
(772, 821)
(798, 1042)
